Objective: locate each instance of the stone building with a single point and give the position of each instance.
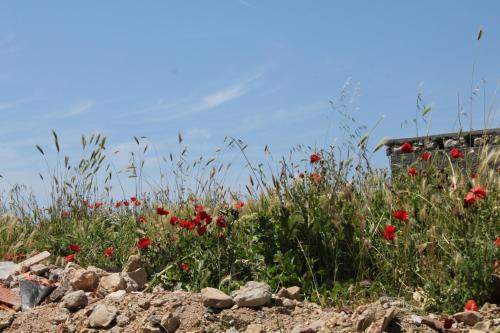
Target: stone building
(472, 145)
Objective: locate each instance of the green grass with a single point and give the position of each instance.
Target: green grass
(325, 234)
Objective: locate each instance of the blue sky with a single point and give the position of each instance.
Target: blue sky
(259, 70)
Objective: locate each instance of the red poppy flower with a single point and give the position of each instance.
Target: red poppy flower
(142, 219)
(425, 156)
(162, 211)
(401, 215)
(469, 199)
(137, 203)
(390, 232)
(317, 177)
(198, 208)
(474, 175)
(301, 175)
(126, 203)
(188, 225)
(314, 158)
(479, 192)
(471, 305)
(75, 247)
(412, 171)
(407, 147)
(220, 222)
(97, 204)
(118, 204)
(133, 199)
(174, 220)
(143, 243)
(85, 202)
(69, 258)
(456, 153)
(497, 242)
(239, 205)
(201, 230)
(108, 252)
(184, 266)
(202, 215)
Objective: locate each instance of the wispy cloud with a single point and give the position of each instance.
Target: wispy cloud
(80, 108)
(224, 95)
(13, 104)
(229, 93)
(74, 110)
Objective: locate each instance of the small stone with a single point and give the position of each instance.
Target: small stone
(99, 271)
(112, 282)
(133, 263)
(144, 303)
(290, 293)
(59, 292)
(39, 269)
(130, 284)
(288, 303)
(154, 320)
(6, 318)
(254, 294)
(365, 320)
(71, 266)
(170, 322)
(232, 330)
(388, 318)
(102, 316)
(122, 320)
(74, 300)
(115, 329)
(139, 276)
(56, 275)
(311, 328)
(483, 325)
(83, 279)
(150, 329)
(215, 298)
(59, 318)
(469, 318)
(116, 295)
(255, 328)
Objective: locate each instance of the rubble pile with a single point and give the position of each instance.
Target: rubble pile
(38, 297)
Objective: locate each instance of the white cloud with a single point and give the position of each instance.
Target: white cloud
(207, 102)
(80, 108)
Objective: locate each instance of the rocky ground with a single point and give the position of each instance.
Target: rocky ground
(76, 299)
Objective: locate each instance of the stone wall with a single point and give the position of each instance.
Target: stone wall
(472, 145)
